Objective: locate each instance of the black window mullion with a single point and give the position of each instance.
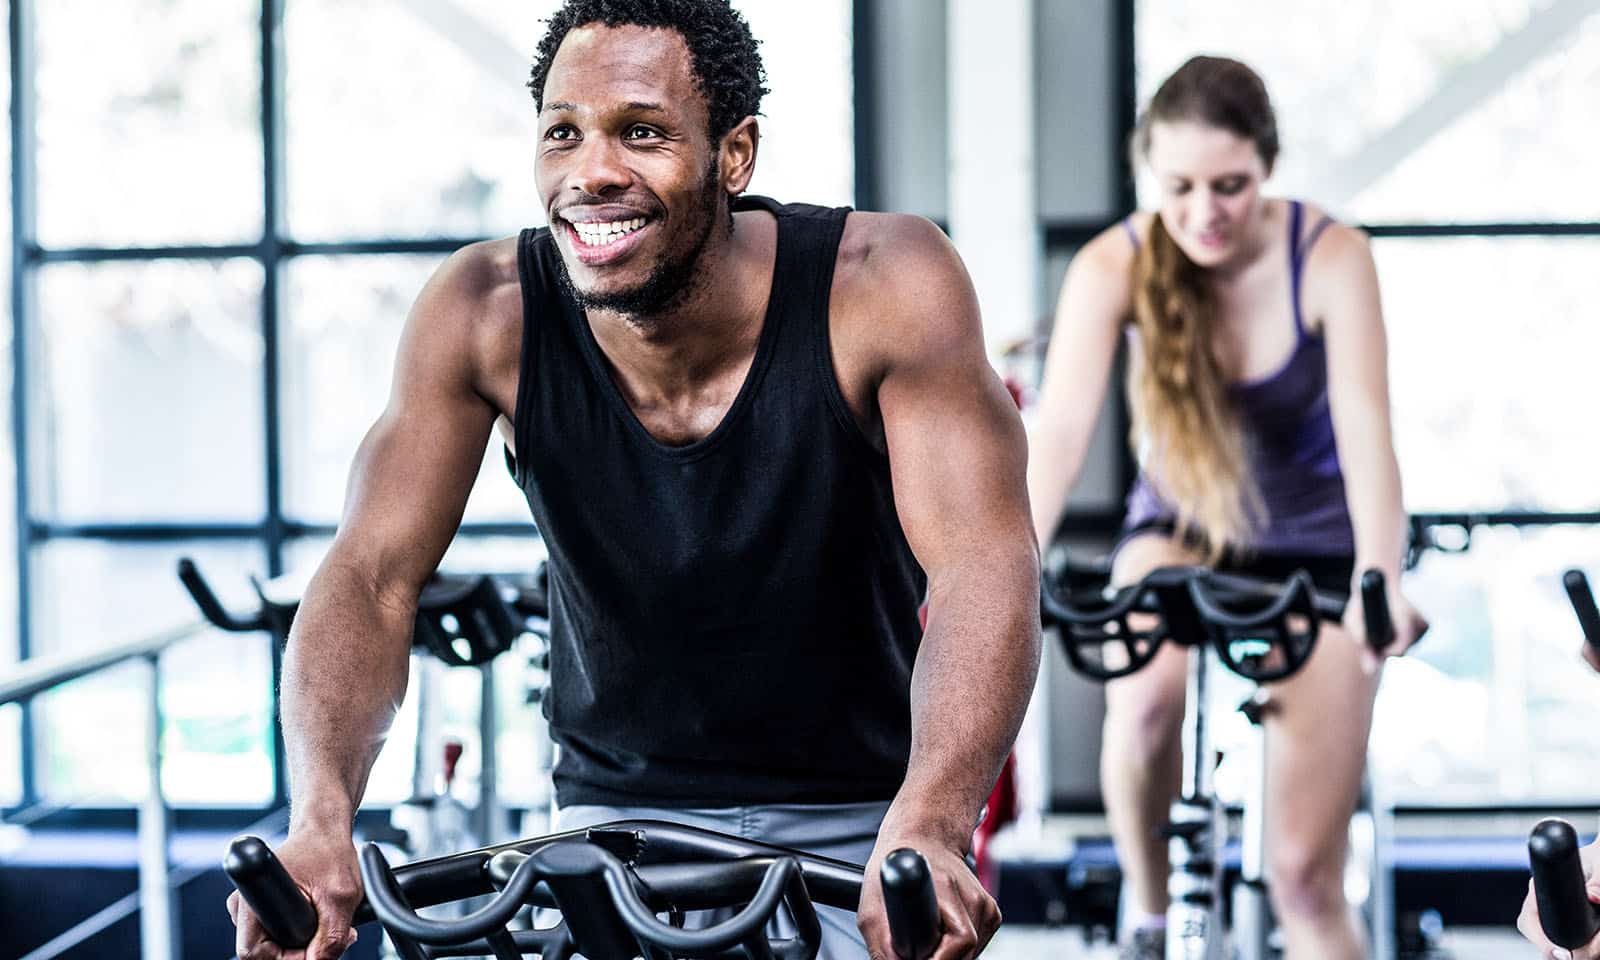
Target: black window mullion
(1507, 229)
(24, 232)
(864, 91)
(272, 244)
(271, 254)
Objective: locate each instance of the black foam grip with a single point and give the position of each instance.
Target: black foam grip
(1375, 611)
(909, 900)
(1583, 604)
(285, 913)
(1565, 913)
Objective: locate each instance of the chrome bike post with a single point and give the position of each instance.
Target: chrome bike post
(490, 819)
(1252, 913)
(1380, 913)
(425, 767)
(1194, 914)
(158, 928)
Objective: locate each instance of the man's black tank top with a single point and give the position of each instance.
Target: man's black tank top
(733, 621)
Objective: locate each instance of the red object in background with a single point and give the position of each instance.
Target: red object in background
(1014, 388)
(999, 810)
(452, 755)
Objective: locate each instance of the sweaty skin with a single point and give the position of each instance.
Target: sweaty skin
(624, 138)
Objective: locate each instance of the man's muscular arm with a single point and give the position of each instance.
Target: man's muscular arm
(958, 458)
(346, 663)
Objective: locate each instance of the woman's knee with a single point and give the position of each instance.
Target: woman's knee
(1306, 880)
(1143, 724)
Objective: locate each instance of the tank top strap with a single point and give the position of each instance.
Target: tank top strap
(1133, 234)
(1299, 251)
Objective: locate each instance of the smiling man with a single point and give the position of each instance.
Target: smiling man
(754, 437)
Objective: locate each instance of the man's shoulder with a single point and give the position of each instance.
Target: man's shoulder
(478, 283)
(900, 287)
(481, 271)
(892, 242)
(893, 260)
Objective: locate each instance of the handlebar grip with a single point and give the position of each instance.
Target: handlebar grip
(1565, 912)
(1566, 915)
(909, 900)
(1583, 603)
(208, 603)
(285, 913)
(1375, 611)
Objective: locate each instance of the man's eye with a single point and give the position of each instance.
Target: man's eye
(1231, 186)
(561, 132)
(640, 132)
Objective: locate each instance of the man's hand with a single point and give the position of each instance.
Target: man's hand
(325, 868)
(1591, 653)
(1528, 922)
(1409, 625)
(967, 913)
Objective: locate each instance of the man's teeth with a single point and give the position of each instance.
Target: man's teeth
(602, 233)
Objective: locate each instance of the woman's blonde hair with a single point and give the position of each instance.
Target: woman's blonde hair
(1182, 418)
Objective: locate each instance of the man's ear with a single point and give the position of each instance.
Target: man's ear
(738, 155)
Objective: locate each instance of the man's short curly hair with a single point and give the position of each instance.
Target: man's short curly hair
(722, 51)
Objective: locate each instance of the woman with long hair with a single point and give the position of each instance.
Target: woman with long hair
(1259, 392)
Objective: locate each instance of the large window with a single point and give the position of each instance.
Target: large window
(1461, 134)
(232, 221)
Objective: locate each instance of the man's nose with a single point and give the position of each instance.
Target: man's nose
(598, 168)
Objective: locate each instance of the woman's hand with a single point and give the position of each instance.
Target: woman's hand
(1409, 625)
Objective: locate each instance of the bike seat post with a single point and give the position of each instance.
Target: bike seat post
(1197, 761)
(1196, 830)
(1252, 919)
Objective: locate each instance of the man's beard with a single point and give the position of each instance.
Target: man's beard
(669, 282)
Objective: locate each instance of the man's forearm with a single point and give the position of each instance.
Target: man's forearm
(974, 676)
(344, 678)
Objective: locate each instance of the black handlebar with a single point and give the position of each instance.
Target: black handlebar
(1375, 611)
(609, 882)
(263, 884)
(1583, 604)
(211, 607)
(909, 900)
(1264, 630)
(1568, 918)
(462, 619)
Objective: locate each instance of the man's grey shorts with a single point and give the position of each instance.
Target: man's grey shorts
(844, 831)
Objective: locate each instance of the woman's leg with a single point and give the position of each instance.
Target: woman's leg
(1316, 754)
(1140, 751)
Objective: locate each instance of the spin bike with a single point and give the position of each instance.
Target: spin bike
(612, 884)
(1568, 918)
(462, 620)
(1261, 631)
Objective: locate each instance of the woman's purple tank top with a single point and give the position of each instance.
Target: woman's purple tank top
(1288, 438)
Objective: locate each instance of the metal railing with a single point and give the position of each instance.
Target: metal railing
(158, 924)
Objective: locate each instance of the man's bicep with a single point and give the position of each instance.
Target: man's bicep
(958, 457)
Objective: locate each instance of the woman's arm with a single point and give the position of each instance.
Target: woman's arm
(1342, 290)
(1096, 298)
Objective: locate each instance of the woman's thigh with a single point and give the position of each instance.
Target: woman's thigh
(1317, 752)
(1161, 681)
